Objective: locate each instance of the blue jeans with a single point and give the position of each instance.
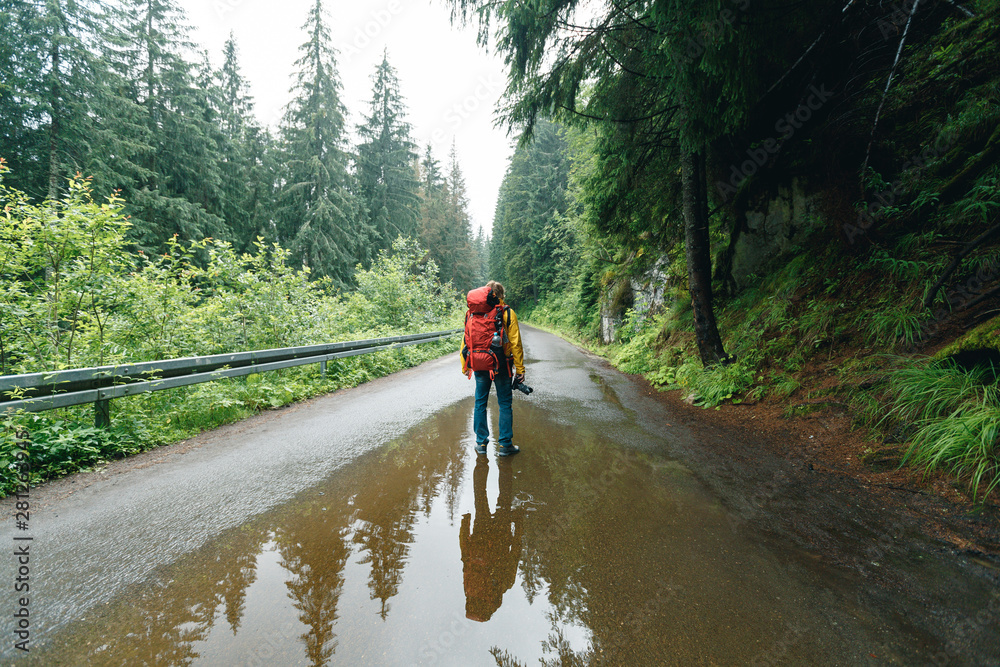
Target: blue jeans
(479, 421)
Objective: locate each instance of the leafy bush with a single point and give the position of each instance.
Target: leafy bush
(71, 295)
(637, 354)
(713, 385)
(785, 386)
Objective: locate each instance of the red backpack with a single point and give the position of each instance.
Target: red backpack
(484, 318)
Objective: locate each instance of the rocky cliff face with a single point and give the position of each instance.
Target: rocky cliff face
(643, 295)
(774, 225)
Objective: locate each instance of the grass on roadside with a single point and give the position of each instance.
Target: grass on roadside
(950, 417)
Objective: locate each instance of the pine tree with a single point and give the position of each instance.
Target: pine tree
(433, 211)
(481, 245)
(237, 107)
(445, 227)
(628, 71)
(21, 57)
(246, 169)
(458, 228)
(121, 138)
(46, 92)
(178, 192)
(528, 227)
(318, 214)
(385, 156)
(206, 123)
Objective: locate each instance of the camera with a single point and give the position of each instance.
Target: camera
(521, 387)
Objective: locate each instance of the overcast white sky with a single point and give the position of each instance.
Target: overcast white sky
(451, 85)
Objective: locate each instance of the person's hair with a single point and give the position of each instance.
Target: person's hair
(496, 288)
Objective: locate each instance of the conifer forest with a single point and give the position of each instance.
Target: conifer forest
(749, 266)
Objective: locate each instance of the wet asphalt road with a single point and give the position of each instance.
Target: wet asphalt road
(360, 528)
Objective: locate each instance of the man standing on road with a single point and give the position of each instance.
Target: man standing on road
(491, 349)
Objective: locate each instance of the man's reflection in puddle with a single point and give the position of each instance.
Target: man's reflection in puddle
(492, 549)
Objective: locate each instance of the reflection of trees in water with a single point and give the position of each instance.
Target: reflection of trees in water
(436, 449)
(160, 621)
(586, 549)
(240, 574)
(314, 549)
(555, 549)
(453, 475)
(372, 504)
(385, 549)
(412, 470)
(557, 645)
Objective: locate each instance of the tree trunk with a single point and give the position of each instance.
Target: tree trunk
(699, 257)
(55, 111)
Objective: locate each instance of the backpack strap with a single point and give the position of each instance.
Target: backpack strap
(500, 312)
(465, 344)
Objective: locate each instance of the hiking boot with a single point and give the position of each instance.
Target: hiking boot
(509, 450)
(481, 449)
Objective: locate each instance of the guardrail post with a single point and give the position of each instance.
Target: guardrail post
(322, 369)
(102, 413)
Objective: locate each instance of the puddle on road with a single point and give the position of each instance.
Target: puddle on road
(420, 553)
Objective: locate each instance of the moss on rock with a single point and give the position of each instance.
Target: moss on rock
(985, 337)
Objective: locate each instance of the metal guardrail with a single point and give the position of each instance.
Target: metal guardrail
(37, 392)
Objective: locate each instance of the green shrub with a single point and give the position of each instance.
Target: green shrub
(711, 386)
(71, 295)
(784, 386)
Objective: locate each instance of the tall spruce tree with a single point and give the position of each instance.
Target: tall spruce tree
(247, 167)
(481, 246)
(319, 217)
(121, 141)
(459, 256)
(626, 69)
(21, 65)
(46, 91)
(528, 225)
(433, 211)
(178, 192)
(63, 25)
(385, 155)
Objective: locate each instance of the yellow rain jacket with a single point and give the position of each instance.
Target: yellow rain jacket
(511, 344)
